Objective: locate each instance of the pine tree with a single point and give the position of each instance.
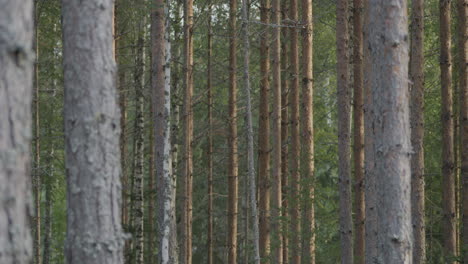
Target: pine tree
(16, 86)
(358, 134)
(417, 130)
(388, 46)
(308, 220)
(264, 136)
(448, 176)
(92, 130)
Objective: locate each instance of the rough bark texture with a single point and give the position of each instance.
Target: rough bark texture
(417, 130)
(92, 130)
(294, 204)
(264, 137)
(463, 79)
(209, 78)
(344, 137)
(276, 200)
(187, 214)
(284, 135)
(369, 182)
(308, 221)
(448, 176)
(233, 180)
(16, 76)
(358, 133)
(388, 45)
(166, 179)
(250, 137)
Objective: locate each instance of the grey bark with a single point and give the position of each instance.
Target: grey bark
(250, 139)
(388, 45)
(344, 132)
(370, 224)
(166, 179)
(92, 130)
(417, 130)
(16, 80)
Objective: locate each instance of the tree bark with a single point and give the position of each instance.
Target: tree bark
(264, 137)
(358, 148)
(166, 180)
(250, 138)
(417, 130)
(233, 180)
(276, 135)
(92, 131)
(388, 45)
(284, 135)
(188, 20)
(209, 77)
(463, 79)
(344, 137)
(16, 86)
(448, 177)
(308, 246)
(294, 204)
(370, 223)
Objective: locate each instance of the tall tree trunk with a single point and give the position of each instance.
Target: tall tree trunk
(177, 92)
(448, 177)
(233, 180)
(188, 20)
(37, 144)
(276, 134)
(344, 138)
(264, 137)
(284, 135)
(16, 80)
(92, 121)
(388, 40)
(166, 180)
(417, 130)
(294, 204)
(139, 154)
(308, 221)
(250, 138)
(358, 148)
(210, 138)
(370, 223)
(463, 79)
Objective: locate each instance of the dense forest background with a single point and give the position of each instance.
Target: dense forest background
(211, 17)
